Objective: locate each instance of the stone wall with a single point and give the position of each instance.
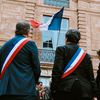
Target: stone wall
(89, 25)
(12, 11)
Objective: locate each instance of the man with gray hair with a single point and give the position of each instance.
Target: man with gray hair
(19, 66)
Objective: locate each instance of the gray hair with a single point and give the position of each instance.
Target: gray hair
(22, 28)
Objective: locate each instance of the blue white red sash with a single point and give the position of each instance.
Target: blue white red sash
(12, 54)
(74, 62)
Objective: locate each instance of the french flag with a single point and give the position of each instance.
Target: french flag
(53, 24)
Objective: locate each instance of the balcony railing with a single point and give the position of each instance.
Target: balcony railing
(46, 56)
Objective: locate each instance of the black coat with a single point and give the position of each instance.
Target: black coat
(98, 80)
(84, 72)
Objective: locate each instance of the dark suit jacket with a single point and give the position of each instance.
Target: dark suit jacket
(23, 73)
(98, 80)
(84, 72)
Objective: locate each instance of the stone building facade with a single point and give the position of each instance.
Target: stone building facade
(81, 14)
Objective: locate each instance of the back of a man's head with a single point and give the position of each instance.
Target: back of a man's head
(73, 35)
(22, 28)
(98, 52)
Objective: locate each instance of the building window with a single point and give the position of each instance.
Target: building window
(59, 3)
(48, 43)
(51, 39)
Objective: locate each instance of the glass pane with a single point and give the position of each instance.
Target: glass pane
(61, 38)
(48, 44)
(57, 38)
(59, 3)
(64, 24)
(46, 18)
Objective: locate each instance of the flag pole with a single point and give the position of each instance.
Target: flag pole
(60, 28)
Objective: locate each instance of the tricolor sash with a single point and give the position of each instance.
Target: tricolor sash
(12, 54)
(74, 62)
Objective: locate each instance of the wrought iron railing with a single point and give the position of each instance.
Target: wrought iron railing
(46, 55)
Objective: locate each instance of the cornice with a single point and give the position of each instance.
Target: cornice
(94, 0)
(89, 11)
(24, 1)
(89, 1)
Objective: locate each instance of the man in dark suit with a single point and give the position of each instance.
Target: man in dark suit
(98, 76)
(22, 74)
(80, 83)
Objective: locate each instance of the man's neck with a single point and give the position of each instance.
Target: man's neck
(25, 35)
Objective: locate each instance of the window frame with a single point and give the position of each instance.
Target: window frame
(67, 27)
